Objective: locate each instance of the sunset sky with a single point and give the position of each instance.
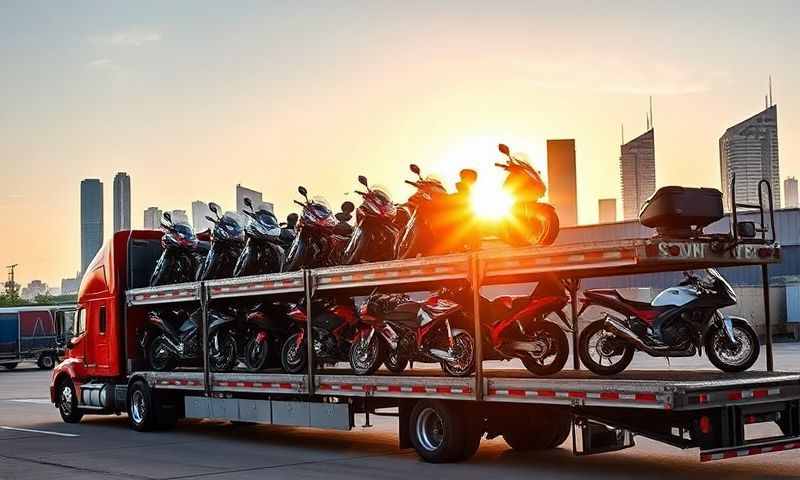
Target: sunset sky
(191, 98)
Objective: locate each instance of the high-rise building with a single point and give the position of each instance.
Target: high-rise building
(71, 285)
(790, 192)
(749, 150)
(152, 218)
(122, 202)
(34, 289)
(91, 220)
(562, 189)
(179, 216)
(607, 210)
(637, 171)
(254, 195)
(199, 212)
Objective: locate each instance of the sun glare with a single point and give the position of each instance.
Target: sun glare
(490, 201)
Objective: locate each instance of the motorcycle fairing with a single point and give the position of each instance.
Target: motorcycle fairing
(612, 299)
(534, 307)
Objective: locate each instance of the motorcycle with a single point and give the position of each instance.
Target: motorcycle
(438, 223)
(398, 330)
(679, 322)
(531, 222)
(320, 237)
(375, 234)
(334, 324)
(263, 250)
(261, 334)
(166, 347)
(524, 327)
(227, 241)
(179, 258)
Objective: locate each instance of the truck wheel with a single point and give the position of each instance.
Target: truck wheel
(440, 433)
(68, 402)
(141, 411)
(46, 361)
(10, 366)
(543, 431)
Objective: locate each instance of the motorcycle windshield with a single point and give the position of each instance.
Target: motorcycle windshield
(720, 281)
(263, 225)
(229, 227)
(181, 234)
(319, 212)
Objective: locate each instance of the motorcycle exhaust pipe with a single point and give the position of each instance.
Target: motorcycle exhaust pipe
(441, 355)
(618, 328)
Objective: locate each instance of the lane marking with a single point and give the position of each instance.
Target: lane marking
(38, 401)
(44, 432)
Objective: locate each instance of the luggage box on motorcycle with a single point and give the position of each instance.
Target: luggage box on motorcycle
(681, 212)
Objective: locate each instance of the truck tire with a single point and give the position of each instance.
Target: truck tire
(10, 366)
(545, 430)
(67, 402)
(46, 361)
(440, 433)
(141, 410)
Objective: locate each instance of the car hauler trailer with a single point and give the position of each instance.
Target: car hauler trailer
(443, 418)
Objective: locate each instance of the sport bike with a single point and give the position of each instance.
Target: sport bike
(179, 257)
(335, 324)
(227, 241)
(531, 222)
(375, 233)
(398, 330)
(679, 322)
(320, 237)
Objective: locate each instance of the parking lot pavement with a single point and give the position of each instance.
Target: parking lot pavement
(35, 444)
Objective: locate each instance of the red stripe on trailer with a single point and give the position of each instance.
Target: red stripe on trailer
(760, 393)
(747, 451)
(546, 393)
(576, 394)
(733, 396)
(516, 393)
(645, 397)
(609, 395)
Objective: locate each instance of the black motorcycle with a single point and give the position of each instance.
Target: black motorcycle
(227, 241)
(166, 346)
(679, 322)
(376, 233)
(180, 257)
(264, 247)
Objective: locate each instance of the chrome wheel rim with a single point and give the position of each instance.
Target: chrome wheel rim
(294, 355)
(364, 353)
(430, 429)
(462, 353)
(138, 407)
(66, 400)
(600, 351)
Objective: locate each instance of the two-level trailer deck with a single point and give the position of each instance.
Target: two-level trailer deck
(443, 418)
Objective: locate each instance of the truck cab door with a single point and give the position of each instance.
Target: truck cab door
(97, 348)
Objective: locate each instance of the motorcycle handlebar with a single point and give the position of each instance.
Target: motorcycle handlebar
(360, 192)
(413, 184)
(501, 165)
(300, 203)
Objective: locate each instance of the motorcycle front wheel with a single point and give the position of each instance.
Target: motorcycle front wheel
(159, 356)
(295, 258)
(602, 352)
(732, 357)
(394, 362)
(256, 353)
(410, 243)
(293, 355)
(535, 224)
(366, 354)
(556, 345)
(353, 252)
(463, 352)
(222, 356)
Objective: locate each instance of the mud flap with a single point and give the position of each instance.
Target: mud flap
(590, 437)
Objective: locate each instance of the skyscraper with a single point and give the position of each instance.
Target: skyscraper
(637, 171)
(607, 210)
(254, 196)
(199, 212)
(122, 202)
(152, 218)
(790, 192)
(91, 220)
(179, 216)
(562, 188)
(750, 151)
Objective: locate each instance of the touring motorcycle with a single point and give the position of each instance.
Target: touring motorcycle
(679, 322)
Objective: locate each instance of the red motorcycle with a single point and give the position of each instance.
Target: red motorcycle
(532, 222)
(376, 233)
(335, 325)
(523, 327)
(398, 330)
(438, 223)
(321, 236)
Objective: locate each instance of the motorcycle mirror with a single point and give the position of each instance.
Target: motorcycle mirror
(168, 217)
(302, 190)
(248, 203)
(415, 169)
(363, 180)
(504, 149)
(348, 207)
(214, 208)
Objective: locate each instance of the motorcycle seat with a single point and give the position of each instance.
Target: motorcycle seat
(405, 312)
(641, 309)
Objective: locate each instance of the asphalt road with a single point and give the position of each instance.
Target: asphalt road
(104, 447)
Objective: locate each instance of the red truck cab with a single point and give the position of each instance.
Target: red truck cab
(95, 358)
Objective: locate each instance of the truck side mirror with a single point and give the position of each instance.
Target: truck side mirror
(746, 229)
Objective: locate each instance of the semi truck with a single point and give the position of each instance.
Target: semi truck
(34, 333)
(442, 418)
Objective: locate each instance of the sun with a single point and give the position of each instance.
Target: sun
(490, 201)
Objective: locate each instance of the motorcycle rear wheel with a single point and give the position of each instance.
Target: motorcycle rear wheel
(159, 356)
(395, 363)
(592, 341)
(558, 351)
(256, 354)
(293, 356)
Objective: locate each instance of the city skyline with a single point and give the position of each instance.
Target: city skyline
(287, 95)
(562, 186)
(122, 201)
(637, 172)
